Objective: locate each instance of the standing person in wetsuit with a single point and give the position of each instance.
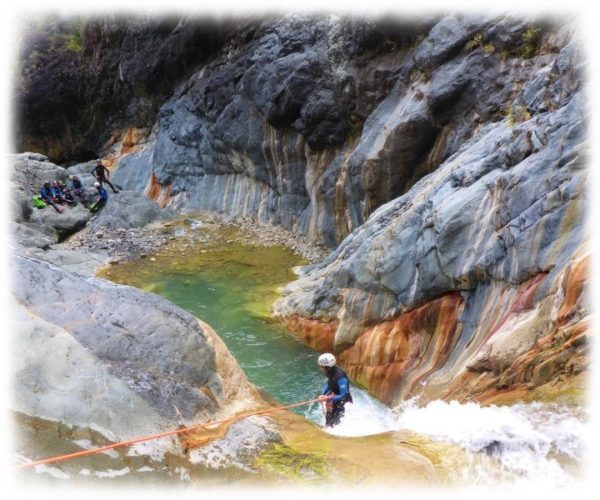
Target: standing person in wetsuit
(336, 392)
(100, 172)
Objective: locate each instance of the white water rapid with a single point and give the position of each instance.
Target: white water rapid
(521, 443)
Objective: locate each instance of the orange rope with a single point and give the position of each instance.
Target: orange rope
(60, 458)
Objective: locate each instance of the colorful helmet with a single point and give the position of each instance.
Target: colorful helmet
(327, 360)
(96, 184)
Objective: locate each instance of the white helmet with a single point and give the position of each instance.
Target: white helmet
(326, 359)
(96, 184)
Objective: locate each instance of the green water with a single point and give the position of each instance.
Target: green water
(231, 286)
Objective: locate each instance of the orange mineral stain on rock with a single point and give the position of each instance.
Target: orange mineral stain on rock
(525, 337)
(392, 356)
(158, 193)
(317, 334)
(559, 353)
(574, 285)
(123, 143)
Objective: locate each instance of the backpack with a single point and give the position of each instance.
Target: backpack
(38, 202)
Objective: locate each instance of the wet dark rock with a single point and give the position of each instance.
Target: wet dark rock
(83, 78)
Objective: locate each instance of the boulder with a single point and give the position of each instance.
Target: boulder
(29, 171)
(21, 206)
(30, 235)
(124, 362)
(71, 220)
(126, 210)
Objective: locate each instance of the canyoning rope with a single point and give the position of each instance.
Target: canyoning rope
(241, 416)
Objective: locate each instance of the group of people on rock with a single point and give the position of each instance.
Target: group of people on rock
(57, 194)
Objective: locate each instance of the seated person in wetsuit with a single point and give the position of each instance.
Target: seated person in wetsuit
(48, 196)
(336, 392)
(77, 186)
(101, 200)
(65, 193)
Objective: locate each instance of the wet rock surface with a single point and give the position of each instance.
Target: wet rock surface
(478, 247)
(125, 353)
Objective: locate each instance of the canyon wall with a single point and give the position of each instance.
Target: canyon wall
(311, 122)
(442, 160)
(472, 284)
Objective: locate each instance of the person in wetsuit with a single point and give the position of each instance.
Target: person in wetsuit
(336, 392)
(64, 194)
(47, 195)
(77, 186)
(101, 200)
(100, 172)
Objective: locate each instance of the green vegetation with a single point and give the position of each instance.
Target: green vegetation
(71, 39)
(530, 39)
(488, 48)
(293, 464)
(477, 42)
(517, 114)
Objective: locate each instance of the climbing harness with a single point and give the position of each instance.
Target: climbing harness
(82, 453)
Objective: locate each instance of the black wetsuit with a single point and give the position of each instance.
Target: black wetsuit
(100, 172)
(338, 384)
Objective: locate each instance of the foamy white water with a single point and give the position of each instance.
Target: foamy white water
(530, 441)
(365, 416)
(525, 442)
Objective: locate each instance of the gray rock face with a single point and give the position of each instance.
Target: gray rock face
(31, 235)
(83, 262)
(500, 209)
(117, 353)
(39, 228)
(313, 123)
(31, 170)
(71, 220)
(125, 210)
